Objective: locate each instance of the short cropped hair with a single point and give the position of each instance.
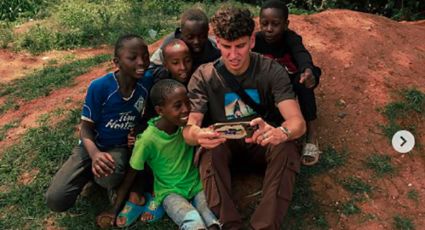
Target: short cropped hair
(276, 4)
(232, 23)
(194, 14)
(162, 89)
(120, 42)
(172, 42)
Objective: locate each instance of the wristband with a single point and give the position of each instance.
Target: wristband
(285, 131)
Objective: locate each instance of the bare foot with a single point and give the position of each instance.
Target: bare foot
(146, 217)
(136, 198)
(105, 220)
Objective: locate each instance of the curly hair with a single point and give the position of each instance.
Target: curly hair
(232, 23)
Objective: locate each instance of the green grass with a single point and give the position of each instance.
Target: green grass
(43, 82)
(380, 164)
(403, 223)
(415, 100)
(356, 186)
(8, 104)
(6, 34)
(305, 211)
(350, 208)
(6, 127)
(411, 104)
(413, 195)
(395, 110)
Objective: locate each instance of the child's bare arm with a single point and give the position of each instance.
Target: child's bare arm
(102, 162)
(131, 138)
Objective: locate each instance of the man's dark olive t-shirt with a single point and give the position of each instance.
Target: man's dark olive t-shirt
(265, 81)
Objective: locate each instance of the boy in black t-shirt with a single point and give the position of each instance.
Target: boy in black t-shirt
(276, 41)
(194, 32)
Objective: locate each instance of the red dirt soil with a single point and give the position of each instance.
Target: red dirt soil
(366, 59)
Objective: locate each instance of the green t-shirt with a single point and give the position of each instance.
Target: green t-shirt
(171, 160)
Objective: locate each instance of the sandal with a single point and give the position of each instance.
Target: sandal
(130, 212)
(153, 208)
(310, 154)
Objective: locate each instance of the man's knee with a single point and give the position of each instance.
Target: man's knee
(281, 153)
(57, 202)
(111, 181)
(192, 220)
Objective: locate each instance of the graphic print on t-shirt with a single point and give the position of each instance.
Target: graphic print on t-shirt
(140, 104)
(234, 107)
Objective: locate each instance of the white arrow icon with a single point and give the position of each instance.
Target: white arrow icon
(403, 141)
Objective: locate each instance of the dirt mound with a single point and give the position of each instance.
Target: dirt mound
(366, 59)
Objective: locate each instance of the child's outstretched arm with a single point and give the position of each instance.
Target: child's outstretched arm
(102, 162)
(298, 51)
(302, 58)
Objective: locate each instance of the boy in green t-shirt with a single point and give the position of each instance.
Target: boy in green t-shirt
(176, 180)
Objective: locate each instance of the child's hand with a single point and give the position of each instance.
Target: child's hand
(131, 138)
(102, 164)
(209, 139)
(307, 78)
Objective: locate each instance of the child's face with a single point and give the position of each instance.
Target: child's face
(176, 107)
(272, 24)
(133, 58)
(178, 61)
(195, 34)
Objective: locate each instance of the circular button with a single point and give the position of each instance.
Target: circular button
(403, 141)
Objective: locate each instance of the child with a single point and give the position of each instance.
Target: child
(113, 104)
(162, 147)
(276, 41)
(177, 62)
(177, 65)
(194, 32)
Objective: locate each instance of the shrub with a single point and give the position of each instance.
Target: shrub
(6, 34)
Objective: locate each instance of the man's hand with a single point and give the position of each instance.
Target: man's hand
(266, 134)
(209, 139)
(307, 78)
(102, 164)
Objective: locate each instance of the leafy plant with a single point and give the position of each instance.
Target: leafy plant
(6, 34)
(11, 10)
